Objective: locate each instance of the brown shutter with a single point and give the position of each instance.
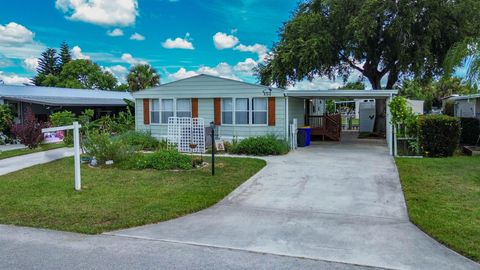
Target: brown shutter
(194, 107)
(271, 111)
(217, 114)
(146, 111)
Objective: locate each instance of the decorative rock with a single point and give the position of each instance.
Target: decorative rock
(109, 162)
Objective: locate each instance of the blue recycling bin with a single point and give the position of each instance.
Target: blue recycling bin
(304, 136)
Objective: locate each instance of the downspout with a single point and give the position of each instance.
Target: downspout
(286, 118)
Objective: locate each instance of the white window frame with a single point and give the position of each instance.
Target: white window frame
(162, 110)
(232, 111)
(249, 111)
(253, 110)
(153, 111)
(175, 107)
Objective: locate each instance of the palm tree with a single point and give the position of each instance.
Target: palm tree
(141, 77)
(465, 54)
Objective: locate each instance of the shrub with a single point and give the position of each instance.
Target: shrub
(261, 146)
(470, 130)
(6, 117)
(139, 140)
(439, 135)
(64, 118)
(162, 160)
(29, 132)
(103, 148)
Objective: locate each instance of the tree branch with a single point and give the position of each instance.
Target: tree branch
(345, 58)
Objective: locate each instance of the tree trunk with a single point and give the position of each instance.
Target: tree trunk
(380, 125)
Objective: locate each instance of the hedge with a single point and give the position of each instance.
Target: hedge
(439, 135)
(470, 130)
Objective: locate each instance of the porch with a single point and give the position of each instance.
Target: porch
(329, 126)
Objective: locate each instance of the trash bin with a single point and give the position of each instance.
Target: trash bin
(304, 135)
(301, 138)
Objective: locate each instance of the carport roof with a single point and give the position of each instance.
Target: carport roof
(341, 93)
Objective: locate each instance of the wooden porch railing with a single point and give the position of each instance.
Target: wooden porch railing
(327, 126)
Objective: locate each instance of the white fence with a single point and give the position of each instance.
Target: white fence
(186, 134)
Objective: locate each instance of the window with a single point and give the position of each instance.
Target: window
(241, 111)
(184, 107)
(259, 111)
(154, 111)
(167, 110)
(227, 111)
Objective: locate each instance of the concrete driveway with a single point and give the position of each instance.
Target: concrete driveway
(333, 202)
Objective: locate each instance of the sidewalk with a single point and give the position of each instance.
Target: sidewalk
(12, 164)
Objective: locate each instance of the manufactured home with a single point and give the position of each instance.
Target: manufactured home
(241, 110)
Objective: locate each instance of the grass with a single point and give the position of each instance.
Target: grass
(20, 152)
(443, 199)
(112, 198)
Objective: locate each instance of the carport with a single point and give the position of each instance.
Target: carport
(306, 95)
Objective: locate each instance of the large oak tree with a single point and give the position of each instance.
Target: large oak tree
(384, 40)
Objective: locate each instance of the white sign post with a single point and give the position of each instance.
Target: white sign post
(76, 148)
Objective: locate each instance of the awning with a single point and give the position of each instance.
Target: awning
(354, 94)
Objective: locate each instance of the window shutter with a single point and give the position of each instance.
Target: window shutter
(217, 114)
(146, 111)
(194, 107)
(271, 111)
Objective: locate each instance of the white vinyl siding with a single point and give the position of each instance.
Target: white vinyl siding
(227, 111)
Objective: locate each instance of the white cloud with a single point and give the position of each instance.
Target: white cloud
(137, 36)
(224, 41)
(179, 43)
(100, 12)
(128, 58)
(13, 34)
(259, 49)
(246, 66)
(119, 71)
(13, 79)
(77, 53)
(182, 73)
(117, 32)
(223, 70)
(31, 63)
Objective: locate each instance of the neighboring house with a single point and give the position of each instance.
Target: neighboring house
(466, 106)
(46, 100)
(240, 109)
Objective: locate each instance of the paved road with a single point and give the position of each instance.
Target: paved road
(333, 202)
(25, 248)
(12, 164)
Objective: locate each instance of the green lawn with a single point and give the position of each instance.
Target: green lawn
(443, 199)
(43, 196)
(40, 148)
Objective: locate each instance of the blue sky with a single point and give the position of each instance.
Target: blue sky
(179, 38)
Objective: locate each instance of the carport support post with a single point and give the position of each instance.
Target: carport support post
(76, 149)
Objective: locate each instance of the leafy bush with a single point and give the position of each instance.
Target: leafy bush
(6, 117)
(139, 140)
(103, 148)
(30, 131)
(439, 135)
(161, 160)
(123, 122)
(64, 118)
(261, 146)
(470, 130)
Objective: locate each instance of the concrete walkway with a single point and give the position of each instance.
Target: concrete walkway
(12, 164)
(332, 202)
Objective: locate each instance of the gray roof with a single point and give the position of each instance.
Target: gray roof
(474, 96)
(55, 96)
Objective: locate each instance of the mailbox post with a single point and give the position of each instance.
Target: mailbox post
(76, 149)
